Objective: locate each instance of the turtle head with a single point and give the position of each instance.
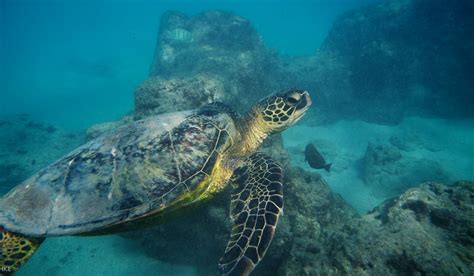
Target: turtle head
(282, 109)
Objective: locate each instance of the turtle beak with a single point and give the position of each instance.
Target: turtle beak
(305, 102)
(302, 106)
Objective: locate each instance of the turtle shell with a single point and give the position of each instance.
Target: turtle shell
(123, 175)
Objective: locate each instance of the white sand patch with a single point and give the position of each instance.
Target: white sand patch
(450, 143)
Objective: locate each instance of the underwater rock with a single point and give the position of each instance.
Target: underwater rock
(196, 238)
(428, 230)
(395, 58)
(273, 146)
(389, 172)
(157, 95)
(212, 39)
(221, 45)
(313, 212)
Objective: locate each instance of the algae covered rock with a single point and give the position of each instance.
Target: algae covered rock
(428, 230)
(210, 41)
(390, 171)
(219, 48)
(157, 95)
(396, 58)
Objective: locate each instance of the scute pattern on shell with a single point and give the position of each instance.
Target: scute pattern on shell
(128, 173)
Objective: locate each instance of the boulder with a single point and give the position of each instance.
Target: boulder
(210, 41)
(395, 58)
(428, 230)
(157, 95)
(390, 171)
(218, 44)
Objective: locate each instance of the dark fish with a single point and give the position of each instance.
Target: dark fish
(315, 159)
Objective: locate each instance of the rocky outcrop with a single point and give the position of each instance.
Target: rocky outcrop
(157, 95)
(210, 41)
(378, 63)
(427, 230)
(394, 58)
(216, 51)
(390, 171)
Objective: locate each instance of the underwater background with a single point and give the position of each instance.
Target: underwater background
(393, 94)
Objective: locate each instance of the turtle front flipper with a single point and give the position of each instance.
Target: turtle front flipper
(257, 201)
(15, 250)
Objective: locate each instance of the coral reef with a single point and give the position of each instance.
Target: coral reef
(390, 172)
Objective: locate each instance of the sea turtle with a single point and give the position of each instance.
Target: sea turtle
(142, 172)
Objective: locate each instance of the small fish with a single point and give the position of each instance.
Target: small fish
(315, 159)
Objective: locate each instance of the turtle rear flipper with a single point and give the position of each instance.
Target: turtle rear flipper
(256, 203)
(15, 250)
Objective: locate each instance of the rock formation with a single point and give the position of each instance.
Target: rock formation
(157, 95)
(395, 58)
(212, 52)
(426, 230)
(389, 171)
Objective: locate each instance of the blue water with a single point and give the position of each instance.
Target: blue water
(75, 63)
(68, 65)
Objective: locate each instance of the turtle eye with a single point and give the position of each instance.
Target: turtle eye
(293, 99)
